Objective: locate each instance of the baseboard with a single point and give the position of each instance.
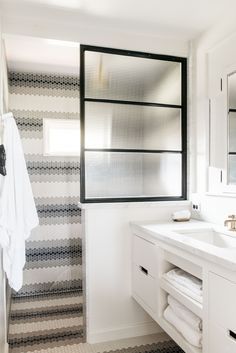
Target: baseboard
(4, 347)
(143, 329)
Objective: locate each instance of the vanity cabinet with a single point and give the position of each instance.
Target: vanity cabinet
(152, 259)
(219, 340)
(144, 273)
(144, 288)
(149, 262)
(222, 314)
(145, 255)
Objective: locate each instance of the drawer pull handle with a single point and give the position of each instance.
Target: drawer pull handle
(144, 270)
(232, 334)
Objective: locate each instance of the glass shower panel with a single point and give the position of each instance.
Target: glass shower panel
(132, 127)
(232, 91)
(129, 78)
(162, 174)
(117, 175)
(232, 132)
(232, 169)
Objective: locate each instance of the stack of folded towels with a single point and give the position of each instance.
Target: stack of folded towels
(185, 321)
(185, 282)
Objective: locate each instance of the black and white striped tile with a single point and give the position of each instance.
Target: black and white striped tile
(49, 288)
(52, 320)
(44, 81)
(54, 251)
(22, 113)
(56, 232)
(36, 326)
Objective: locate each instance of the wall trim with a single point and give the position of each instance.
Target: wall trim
(6, 348)
(142, 329)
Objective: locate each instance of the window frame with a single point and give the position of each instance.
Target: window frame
(182, 107)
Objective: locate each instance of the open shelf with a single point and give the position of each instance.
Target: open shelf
(178, 338)
(184, 299)
(182, 263)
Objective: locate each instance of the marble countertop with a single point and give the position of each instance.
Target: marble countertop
(168, 233)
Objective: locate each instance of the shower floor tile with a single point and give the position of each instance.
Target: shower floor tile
(46, 322)
(54, 324)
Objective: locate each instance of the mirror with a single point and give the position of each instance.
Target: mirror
(222, 124)
(232, 128)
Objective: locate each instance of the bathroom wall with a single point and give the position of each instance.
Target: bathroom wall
(221, 38)
(54, 250)
(111, 311)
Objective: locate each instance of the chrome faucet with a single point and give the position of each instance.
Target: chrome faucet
(231, 223)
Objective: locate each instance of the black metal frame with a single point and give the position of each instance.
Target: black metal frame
(182, 107)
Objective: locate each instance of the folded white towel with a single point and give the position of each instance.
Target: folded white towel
(185, 314)
(186, 279)
(184, 289)
(192, 336)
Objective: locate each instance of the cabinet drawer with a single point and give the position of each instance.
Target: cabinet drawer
(144, 286)
(220, 340)
(145, 255)
(222, 305)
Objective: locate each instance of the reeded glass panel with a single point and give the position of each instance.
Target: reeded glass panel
(232, 169)
(128, 78)
(232, 132)
(232, 128)
(132, 174)
(132, 127)
(232, 91)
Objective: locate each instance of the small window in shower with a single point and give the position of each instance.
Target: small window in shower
(61, 137)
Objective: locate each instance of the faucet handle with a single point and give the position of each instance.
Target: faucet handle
(232, 216)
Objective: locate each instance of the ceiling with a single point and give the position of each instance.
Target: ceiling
(174, 19)
(30, 54)
(182, 19)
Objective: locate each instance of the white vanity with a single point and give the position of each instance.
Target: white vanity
(202, 249)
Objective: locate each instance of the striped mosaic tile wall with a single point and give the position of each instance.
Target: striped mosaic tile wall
(54, 250)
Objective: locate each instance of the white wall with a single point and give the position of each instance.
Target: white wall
(213, 208)
(110, 310)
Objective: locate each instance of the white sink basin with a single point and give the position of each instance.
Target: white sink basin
(210, 236)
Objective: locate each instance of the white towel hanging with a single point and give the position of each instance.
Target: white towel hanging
(18, 215)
